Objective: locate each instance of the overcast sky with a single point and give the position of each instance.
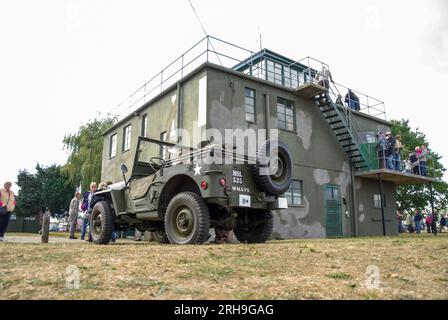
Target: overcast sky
(62, 62)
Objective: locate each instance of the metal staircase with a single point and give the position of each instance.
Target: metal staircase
(341, 128)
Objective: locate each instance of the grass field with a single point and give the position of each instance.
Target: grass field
(410, 267)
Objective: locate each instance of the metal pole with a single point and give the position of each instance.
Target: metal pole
(380, 181)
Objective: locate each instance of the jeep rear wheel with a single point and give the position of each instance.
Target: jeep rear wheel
(187, 219)
(160, 236)
(257, 229)
(101, 223)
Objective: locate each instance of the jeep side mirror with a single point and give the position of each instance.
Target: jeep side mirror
(124, 170)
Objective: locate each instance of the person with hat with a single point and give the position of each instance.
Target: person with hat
(390, 150)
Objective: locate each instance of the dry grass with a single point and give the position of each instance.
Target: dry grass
(411, 267)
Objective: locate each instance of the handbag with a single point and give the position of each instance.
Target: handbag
(4, 210)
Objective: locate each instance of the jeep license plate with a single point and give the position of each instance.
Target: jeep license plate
(244, 200)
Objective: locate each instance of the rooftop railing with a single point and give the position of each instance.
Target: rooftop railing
(228, 55)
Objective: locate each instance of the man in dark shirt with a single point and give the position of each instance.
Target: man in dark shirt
(390, 150)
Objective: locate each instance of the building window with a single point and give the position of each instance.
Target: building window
(127, 138)
(377, 201)
(113, 146)
(286, 114)
(249, 102)
(145, 125)
(294, 194)
(163, 148)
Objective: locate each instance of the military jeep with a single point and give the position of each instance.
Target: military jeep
(182, 197)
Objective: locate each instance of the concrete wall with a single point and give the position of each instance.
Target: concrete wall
(318, 157)
(369, 218)
(162, 116)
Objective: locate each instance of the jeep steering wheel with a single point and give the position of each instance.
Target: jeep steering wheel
(156, 165)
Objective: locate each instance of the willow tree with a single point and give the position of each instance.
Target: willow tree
(85, 152)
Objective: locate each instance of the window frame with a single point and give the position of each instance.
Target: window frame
(144, 131)
(292, 190)
(254, 106)
(292, 107)
(111, 144)
(377, 202)
(126, 145)
(163, 149)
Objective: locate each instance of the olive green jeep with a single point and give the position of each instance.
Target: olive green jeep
(181, 198)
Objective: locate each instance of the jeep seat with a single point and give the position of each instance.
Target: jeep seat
(139, 187)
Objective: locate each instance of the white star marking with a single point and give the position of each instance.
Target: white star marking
(197, 170)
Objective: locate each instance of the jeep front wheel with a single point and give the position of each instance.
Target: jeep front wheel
(187, 219)
(257, 228)
(101, 223)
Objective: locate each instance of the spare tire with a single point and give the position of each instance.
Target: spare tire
(273, 170)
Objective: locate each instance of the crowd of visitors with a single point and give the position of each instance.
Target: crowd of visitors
(389, 150)
(418, 221)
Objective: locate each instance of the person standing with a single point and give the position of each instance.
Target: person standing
(397, 153)
(7, 206)
(442, 222)
(422, 160)
(417, 218)
(382, 150)
(390, 150)
(400, 222)
(73, 214)
(414, 163)
(418, 153)
(428, 221)
(324, 77)
(87, 199)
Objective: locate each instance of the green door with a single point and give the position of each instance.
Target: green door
(333, 219)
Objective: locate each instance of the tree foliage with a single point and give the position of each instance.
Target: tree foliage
(417, 197)
(29, 199)
(48, 187)
(56, 188)
(86, 152)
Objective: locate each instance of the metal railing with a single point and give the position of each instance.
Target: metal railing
(353, 99)
(228, 55)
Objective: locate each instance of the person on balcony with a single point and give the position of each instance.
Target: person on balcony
(382, 150)
(324, 77)
(414, 163)
(408, 164)
(422, 160)
(397, 153)
(390, 150)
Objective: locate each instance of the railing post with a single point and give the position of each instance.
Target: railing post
(309, 70)
(207, 47)
(182, 68)
(161, 81)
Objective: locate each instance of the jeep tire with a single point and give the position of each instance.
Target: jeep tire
(160, 236)
(101, 223)
(277, 182)
(258, 229)
(187, 219)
